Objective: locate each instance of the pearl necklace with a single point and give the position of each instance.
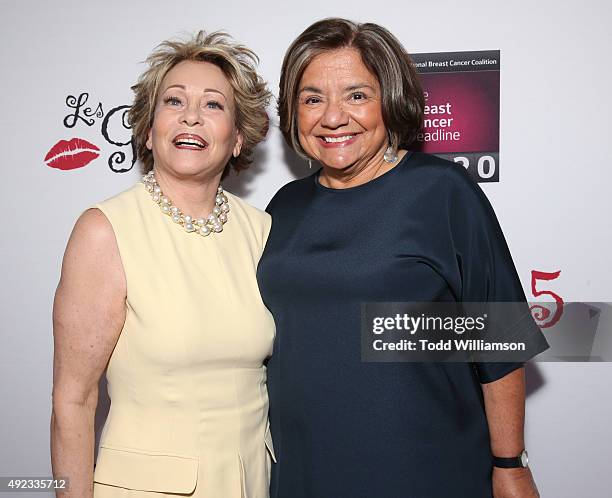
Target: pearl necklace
(204, 226)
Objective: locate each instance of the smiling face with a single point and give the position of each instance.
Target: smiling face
(194, 130)
(339, 113)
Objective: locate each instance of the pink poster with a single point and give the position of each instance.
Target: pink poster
(461, 121)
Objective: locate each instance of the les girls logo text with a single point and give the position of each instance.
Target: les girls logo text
(76, 152)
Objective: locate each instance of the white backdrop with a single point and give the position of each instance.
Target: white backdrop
(552, 200)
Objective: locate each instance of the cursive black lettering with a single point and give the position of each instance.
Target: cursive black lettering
(118, 157)
(80, 111)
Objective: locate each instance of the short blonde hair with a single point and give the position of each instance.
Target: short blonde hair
(237, 63)
(384, 56)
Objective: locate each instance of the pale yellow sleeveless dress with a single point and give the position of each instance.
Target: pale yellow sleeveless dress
(189, 405)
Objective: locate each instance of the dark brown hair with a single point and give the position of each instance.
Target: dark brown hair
(383, 55)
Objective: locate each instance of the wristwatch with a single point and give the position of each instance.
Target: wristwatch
(521, 461)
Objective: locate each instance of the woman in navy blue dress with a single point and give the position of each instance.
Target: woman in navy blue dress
(379, 223)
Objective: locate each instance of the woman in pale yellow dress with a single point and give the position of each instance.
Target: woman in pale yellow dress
(158, 287)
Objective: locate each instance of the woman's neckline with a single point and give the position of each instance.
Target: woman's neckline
(374, 181)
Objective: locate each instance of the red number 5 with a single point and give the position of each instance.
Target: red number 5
(541, 313)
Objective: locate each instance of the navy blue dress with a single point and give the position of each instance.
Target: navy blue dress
(342, 428)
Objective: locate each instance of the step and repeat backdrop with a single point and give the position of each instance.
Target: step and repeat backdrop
(517, 93)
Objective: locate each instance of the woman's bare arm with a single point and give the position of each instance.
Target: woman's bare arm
(505, 408)
(88, 315)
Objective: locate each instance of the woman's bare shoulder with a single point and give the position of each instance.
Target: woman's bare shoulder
(92, 251)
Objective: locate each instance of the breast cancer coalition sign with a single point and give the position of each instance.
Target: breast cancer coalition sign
(462, 109)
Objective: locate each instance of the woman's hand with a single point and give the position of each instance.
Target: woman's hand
(88, 315)
(514, 483)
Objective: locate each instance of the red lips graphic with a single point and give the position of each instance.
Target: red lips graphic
(73, 154)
